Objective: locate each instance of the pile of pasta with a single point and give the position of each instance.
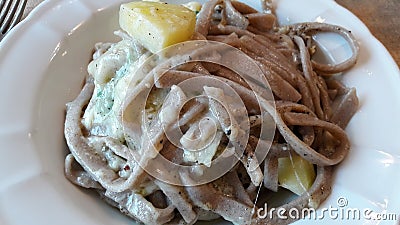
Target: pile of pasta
(310, 108)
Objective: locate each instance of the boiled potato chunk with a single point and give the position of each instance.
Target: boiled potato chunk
(295, 174)
(157, 25)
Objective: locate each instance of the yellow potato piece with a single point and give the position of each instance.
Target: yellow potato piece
(156, 24)
(295, 174)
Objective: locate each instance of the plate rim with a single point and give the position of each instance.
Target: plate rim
(43, 7)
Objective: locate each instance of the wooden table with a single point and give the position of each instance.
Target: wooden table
(382, 17)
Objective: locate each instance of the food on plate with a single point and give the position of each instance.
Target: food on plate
(295, 173)
(230, 115)
(157, 25)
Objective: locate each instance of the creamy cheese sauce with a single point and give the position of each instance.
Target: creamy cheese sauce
(113, 73)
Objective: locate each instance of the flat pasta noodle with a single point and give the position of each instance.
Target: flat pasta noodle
(311, 109)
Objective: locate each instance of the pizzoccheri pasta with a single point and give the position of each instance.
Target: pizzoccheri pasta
(149, 132)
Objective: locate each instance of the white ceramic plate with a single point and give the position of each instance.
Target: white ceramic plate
(42, 66)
